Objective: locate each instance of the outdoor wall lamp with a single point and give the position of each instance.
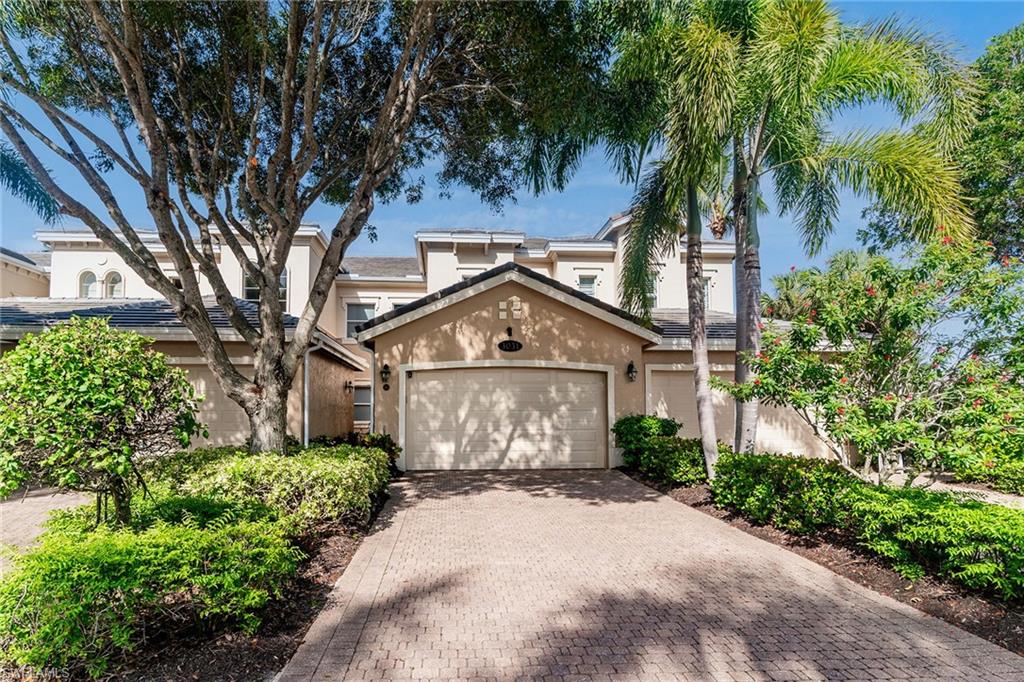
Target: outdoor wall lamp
(385, 373)
(631, 371)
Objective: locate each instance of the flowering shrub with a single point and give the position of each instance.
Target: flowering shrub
(908, 366)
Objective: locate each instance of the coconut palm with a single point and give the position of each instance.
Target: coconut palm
(17, 179)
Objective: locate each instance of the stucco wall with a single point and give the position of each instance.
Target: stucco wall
(470, 330)
(17, 281)
(780, 429)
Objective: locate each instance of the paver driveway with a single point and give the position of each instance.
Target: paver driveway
(576, 575)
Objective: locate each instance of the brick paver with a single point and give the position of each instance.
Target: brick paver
(589, 575)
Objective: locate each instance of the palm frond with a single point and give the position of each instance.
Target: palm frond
(654, 231)
(17, 179)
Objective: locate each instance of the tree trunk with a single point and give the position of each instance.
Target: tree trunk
(698, 332)
(122, 501)
(739, 216)
(747, 424)
(268, 417)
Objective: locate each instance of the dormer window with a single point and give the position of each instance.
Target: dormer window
(113, 285)
(588, 285)
(88, 285)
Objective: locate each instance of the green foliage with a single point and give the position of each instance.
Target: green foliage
(980, 545)
(797, 494)
(314, 487)
(633, 432)
(79, 600)
(381, 441)
(1006, 475)
(931, 368)
(919, 531)
(83, 405)
(674, 460)
(992, 158)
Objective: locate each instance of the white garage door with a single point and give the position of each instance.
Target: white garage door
(778, 429)
(508, 418)
(225, 419)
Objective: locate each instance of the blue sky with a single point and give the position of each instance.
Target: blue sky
(596, 192)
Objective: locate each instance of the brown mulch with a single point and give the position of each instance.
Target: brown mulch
(997, 621)
(230, 656)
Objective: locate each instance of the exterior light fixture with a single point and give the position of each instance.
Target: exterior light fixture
(385, 373)
(631, 371)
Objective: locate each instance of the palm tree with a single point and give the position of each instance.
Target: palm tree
(18, 180)
(798, 67)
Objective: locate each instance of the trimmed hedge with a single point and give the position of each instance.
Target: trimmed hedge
(1004, 475)
(797, 494)
(920, 531)
(76, 600)
(670, 459)
(634, 431)
(317, 486)
(213, 542)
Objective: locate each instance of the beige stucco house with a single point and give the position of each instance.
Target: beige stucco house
(485, 349)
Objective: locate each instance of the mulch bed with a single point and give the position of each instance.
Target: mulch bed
(997, 621)
(233, 656)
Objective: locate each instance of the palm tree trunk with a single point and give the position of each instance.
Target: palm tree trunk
(739, 213)
(698, 331)
(751, 294)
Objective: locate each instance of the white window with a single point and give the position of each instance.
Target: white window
(588, 285)
(652, 291)
(88, 285)
(251, 290)
(113, 285)
(355, 315)
(707, 291)
(361, 400)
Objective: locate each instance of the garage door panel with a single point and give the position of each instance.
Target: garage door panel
(506, 418)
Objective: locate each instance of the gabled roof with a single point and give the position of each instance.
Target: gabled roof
(22, 260)
(495, 276)
(150, 317)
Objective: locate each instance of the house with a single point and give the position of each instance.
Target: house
(486, 348)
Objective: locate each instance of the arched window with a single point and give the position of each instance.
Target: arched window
(88, 285)
(113, 286)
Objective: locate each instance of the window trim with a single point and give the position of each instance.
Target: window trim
(375, 302)
(285, 275)
(593, 284)
(105, 284)
(355, 386)
(96, 281)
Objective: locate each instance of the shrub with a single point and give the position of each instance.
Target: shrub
(317, 486)
(632, 433)
(82, 406)
(670, 459)
(76, 600)
(1004, 475)
(794, 493)
(981, 545)
(381, 441)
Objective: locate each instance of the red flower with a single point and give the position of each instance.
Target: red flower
(871, 291)
(757, 382)
(760, 326)
(977, 402)
(974, 356)
(1005, 261)
(777, 342)
(970, 380)
(1008, 417)
(841, 410)
(890, 396)
(253, 162)
(759, 355)
(843, 380)
(988, 463)
(888, 357)
(947, 240)
(769, 310)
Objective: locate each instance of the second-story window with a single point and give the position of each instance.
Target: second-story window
(707, 292)
(113, 285)
(88, 285)
(355, 315)
(251, 291)
(588, 285)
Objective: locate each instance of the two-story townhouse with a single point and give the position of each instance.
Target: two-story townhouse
(485, 349)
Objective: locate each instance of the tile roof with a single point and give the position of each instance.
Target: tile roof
(381, 266)
(488, 274)
(125, 313)
(17, 256)
(675, 323)
(40, 258)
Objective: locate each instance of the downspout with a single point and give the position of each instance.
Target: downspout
(373, 391)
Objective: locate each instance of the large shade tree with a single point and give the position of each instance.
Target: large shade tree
(232, 119)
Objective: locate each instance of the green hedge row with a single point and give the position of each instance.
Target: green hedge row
(920, 531)
(214, 541)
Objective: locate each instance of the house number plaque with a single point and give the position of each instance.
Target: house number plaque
(509, 345)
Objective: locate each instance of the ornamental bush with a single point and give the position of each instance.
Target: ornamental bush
(919, 531)
(670, 459)
(84, 406)
(633, 432)
(314, 487)
(797, 494)
(78, 600)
